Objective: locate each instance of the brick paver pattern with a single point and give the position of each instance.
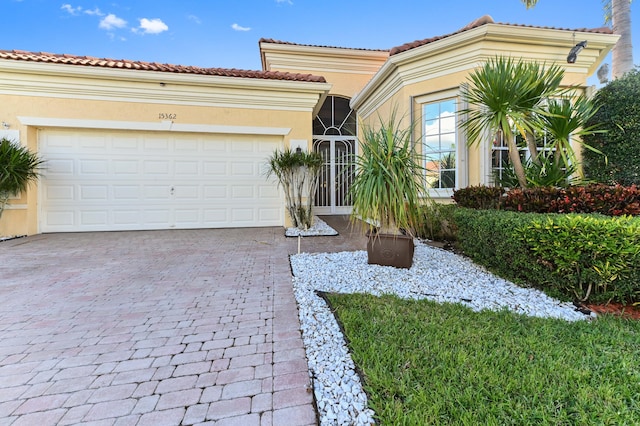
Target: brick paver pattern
(154, 328)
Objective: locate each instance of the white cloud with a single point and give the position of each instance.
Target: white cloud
(70, 9)
(111, 21)
(195, 19)
(239, 28)
(94, 12)
(151, 26)
(284, 1)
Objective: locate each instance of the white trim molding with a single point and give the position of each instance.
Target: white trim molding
(161, 126)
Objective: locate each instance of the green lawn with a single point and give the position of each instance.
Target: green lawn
(426, 363)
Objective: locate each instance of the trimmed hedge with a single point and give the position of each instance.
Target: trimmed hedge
(619, 115)
(595, 198)
(569, 256)
(436, 222)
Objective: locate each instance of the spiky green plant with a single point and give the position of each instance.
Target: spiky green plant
(567, 118)
(297, 172)
(506, 96)
(389, 180)
(18, 168)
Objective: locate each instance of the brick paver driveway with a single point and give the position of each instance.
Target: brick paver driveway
(153, 328)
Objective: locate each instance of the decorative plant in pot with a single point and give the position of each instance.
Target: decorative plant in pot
(297, 172)
(387, 192)
(18, 168)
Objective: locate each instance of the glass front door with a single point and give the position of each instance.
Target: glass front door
(332, 196)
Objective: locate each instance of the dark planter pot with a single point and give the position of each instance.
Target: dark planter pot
(390, 250)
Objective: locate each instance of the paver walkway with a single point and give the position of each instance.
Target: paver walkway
(155, 328)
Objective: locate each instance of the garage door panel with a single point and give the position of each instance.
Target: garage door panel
(61, 218)
(93, 218)
(94, 193)
(156, 193)
(60, 166)
(55, 193)
(156, 167)
(242, 216)
(269, 214)
(126, 193)
(187, 168)
(215, 168)
(126, 144)
(137, 180)
(122, 218)
(126, 167)
(94, 167)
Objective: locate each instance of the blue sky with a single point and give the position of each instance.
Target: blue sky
(216, 33)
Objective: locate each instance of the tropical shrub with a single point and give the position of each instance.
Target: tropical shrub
(596, 198)
(297, 173)
(546, 171)
(436, 222)
(18, 168)
(389, 183)
(580, 257)
(479, 197)
(619, 114)
(590, 255)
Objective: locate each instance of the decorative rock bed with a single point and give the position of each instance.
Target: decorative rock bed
(319, 228)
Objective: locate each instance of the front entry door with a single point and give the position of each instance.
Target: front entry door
(338, 154)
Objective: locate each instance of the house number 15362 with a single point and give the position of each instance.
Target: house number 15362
(167, 116)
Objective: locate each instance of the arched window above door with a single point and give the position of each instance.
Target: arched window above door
(336, 118)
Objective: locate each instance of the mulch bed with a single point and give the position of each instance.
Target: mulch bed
(629, 312)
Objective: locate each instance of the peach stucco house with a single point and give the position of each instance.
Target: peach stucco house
(133, 145)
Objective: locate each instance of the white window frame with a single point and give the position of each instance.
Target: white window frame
(462, 174)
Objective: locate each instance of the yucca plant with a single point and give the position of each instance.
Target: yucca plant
(507, 96)
(297, 172)
(389, 180)
(18, 168)
(565, 119)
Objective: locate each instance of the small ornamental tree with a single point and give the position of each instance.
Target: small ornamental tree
(18, 168)
(619, 114)
(297, 173)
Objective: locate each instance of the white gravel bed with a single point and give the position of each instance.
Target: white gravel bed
(319, 228)
(436, 275)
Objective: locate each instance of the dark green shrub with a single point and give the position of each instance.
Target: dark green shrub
(568, 256)
(488, 237)
(619, 115)
(436, 222)
(592, 255)
(478, 197)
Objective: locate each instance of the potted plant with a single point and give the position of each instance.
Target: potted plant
(297, 172)
(18, 168)
(386, 192)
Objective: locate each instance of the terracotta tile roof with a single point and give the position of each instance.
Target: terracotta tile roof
(90, 61)
(486, 19)
(270, 40)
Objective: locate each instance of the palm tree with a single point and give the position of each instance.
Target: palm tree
(617, 12)
(18, 168)
(566, 118)
(505, 97)
(622, 55)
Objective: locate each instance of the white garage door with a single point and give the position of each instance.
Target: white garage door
(111, 181)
